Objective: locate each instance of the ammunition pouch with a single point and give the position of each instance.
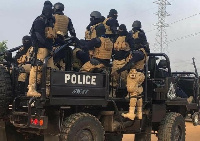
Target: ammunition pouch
(21, 69)
(39, 62)
(36, 62)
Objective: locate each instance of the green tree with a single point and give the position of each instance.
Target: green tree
(3, 47)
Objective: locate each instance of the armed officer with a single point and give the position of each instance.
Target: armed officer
(95, 20)
(42, 34)
(80, 55)
(23, 58)
(139, 36)
(122, 46)
(63, 23)
(102, 47)
(135, 66)
(111, 23)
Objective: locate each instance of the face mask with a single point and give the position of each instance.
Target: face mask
(27, 44)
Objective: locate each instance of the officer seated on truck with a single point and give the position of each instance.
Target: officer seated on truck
(23, 58)
(102, 47)
(80, 55)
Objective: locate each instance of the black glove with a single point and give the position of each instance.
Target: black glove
(94, 61)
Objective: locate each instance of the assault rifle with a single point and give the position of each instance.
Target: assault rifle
(10, 50)
(64, 52)
(7, 55)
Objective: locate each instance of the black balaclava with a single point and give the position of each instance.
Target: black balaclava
(136, 28)
(122, 30)
(26, 41)
(113, 13)
(48, 3)
(47, 11)
(94, 21)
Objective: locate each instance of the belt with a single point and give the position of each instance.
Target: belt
(139, 70)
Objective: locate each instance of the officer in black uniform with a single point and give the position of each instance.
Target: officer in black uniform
(80, 55)
(26, 41)
(111, 23)
(42, 35)
(139, 36)
(23, 59)
(95, 19)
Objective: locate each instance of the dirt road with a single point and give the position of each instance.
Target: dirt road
(192, 134)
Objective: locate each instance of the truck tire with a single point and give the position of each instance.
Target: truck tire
(5, 91)
(82, 126)
(172, 128)
(113, 137)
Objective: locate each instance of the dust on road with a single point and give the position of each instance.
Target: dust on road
(192, 134)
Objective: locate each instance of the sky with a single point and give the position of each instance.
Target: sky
(183, 32)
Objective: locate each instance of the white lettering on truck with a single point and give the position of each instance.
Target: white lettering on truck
(80, 79)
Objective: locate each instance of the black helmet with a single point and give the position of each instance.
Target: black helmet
(122, 27)
(136, 24)
(96, 14)
(58, 7)
(100, 30)
(113, 12)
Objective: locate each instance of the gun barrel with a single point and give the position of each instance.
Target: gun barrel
(11, 50)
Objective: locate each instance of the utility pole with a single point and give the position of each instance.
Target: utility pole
(161, 42)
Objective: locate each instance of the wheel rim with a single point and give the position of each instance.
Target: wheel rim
(84, 135)
(178, 133)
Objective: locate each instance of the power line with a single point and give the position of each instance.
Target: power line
(179, 20)
(185, 18)
(185, 37)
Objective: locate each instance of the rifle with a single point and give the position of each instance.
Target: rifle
(64, 52)
(11, 50)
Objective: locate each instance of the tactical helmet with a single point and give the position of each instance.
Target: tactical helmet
(113, 12)
(122, 27)
(96, 14)
(136, 24)
(58, 7)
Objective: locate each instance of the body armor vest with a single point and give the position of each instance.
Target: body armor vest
(105, 50)
(76, 62)
(29, 54)
(135, 34)
(92, 33)
(26, 57)
(140, 64)
(61, 23)
(108, 30)
(121, 44)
